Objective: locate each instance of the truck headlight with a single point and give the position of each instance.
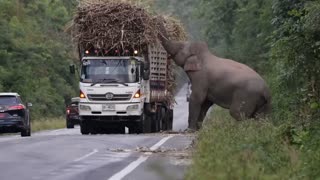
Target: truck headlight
(85, 108)
(133, 107)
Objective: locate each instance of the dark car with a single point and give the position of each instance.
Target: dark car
(72, 113)
(14, 115)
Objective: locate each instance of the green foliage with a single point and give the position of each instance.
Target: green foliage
(296, 53)
(185, 11)
(244, 150)
(238, 29)
(48, 124)
(251, 149)
(35, 54)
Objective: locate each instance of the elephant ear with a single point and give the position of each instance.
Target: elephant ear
(192, 64)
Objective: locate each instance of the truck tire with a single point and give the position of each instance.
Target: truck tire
(169, 119)
(156, 121)
(121, 130)
(84, 128)
(134, 129)
(145, 123)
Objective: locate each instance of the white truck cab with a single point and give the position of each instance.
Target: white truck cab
(111, 86)
(124, 91)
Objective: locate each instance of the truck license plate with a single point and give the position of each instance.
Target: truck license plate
(108, 107)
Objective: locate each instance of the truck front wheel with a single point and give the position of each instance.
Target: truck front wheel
(84, 128)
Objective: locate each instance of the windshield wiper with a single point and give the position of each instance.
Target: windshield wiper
(116, 81)
(109, 81)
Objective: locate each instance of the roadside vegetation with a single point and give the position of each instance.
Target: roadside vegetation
(48, 124)
(251, 149)
(35, 53)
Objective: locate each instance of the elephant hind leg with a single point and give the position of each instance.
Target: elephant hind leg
(262, 110)
(243, 106)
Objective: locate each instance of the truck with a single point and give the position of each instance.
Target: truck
(124, 87)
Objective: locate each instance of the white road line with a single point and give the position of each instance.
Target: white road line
(127, 170)
(162, 141)
(87, 155)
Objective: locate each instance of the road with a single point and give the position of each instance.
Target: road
(67, 155)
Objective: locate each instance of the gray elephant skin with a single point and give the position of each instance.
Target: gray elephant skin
(219, 81)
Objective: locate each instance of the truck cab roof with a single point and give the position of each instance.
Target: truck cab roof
(111, 57)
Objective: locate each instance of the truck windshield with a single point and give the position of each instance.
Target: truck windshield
(109, 71)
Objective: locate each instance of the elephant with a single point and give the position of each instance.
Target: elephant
(223, 82)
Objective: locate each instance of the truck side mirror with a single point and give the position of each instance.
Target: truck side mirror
(141, 68)
(72, 69)
(29, 104)
(144, 73)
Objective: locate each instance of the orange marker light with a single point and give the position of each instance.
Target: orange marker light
(82, 95)
(137, 94)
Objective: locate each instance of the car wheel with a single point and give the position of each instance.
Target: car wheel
(84, 128)
(26, 132)
(70, 125)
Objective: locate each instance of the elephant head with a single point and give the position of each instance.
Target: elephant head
(185, 54)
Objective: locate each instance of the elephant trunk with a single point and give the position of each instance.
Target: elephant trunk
(172, 47)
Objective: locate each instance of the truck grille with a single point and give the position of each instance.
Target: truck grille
(116, 97)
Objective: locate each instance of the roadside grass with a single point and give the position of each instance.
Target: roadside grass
(48, 124)
(227, 149)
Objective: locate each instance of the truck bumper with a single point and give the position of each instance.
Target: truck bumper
(103, 110)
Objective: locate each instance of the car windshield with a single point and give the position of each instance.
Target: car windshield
(109, 71)
(8, 100)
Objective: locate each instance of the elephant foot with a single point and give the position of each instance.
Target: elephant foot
(199, 125)
(190, 130)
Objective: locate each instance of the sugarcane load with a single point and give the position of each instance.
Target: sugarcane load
(126, 78)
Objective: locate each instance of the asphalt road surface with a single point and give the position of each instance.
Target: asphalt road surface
(67, 155)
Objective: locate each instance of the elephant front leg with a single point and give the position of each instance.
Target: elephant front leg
(195, 105)
(203, 112)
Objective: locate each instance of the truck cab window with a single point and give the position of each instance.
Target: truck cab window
(99, 70)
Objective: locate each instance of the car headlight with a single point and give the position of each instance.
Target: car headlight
(85, 108)
(133, 107)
